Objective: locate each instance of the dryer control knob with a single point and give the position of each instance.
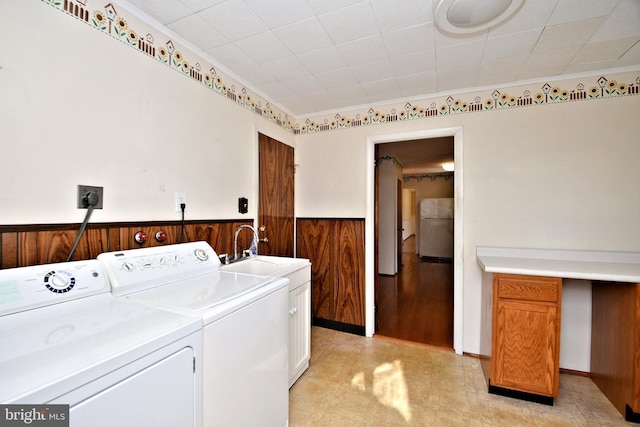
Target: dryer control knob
(161, 236)
(201, 254)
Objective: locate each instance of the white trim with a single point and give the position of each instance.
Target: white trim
(458, 255)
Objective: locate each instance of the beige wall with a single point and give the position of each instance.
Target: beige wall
(390, 172)
(551, 176)
(79, 107)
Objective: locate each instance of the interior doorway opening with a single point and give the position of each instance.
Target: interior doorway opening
(414, 286)
(371, 218)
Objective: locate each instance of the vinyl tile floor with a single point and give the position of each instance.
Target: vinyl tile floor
(358, 381)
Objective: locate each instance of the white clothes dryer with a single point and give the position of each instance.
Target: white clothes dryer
(66, 340)
(245, 326)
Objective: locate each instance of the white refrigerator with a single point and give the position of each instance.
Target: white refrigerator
(436, 228)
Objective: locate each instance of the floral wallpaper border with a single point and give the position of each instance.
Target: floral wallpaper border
(393, 159)
(117, 22)
(126, 28)
(430, 176)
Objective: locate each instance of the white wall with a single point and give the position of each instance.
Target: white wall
(550, 176)
(79, 107)
(389, 172)
(408, 212)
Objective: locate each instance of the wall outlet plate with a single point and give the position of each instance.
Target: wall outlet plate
(180, 198)
(83, 190)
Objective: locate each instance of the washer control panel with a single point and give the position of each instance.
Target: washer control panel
(138, 269)
(25, 288)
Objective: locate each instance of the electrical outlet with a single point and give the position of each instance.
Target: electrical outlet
(180, 199)
(82, 192)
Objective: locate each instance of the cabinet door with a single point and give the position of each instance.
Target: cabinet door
(299, 331)
(525, 355)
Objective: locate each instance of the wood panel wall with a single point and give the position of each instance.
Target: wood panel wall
(336, 250)
(25, 245)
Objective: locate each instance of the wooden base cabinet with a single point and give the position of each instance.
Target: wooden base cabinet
(526, 333)
(299, 331)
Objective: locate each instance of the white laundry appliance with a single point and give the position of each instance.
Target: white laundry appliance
(245, 326)
(66, 340)
(436, 228)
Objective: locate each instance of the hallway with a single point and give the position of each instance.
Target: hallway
(417, 303)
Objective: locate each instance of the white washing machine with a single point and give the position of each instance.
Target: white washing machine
(66, 340)
(245, 326)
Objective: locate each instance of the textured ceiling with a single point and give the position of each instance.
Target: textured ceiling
(312, 56)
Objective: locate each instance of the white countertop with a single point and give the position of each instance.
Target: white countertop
(569, 264)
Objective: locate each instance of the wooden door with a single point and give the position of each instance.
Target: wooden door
(276, 187)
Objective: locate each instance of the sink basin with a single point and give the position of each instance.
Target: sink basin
(262, 265)
(265, 265)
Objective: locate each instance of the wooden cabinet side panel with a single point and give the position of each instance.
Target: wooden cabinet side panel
(313, 243)
(349, 292)
(614, 342)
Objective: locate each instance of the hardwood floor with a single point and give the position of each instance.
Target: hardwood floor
(417, 303)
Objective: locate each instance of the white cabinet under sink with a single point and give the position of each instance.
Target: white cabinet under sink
(299, 331)
(298, 271)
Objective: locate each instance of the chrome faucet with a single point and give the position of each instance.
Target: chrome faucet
(235, 239)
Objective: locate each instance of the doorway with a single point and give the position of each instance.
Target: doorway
(415, 302)
(370, 217)
(276, 197)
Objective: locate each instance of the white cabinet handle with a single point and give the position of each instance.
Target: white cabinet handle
(292, 311)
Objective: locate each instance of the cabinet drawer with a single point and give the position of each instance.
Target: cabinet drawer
(530, 288)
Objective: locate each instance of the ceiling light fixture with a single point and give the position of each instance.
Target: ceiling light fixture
(448, 166)
(470, 16)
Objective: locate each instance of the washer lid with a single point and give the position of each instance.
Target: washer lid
(203, 292)
(51, 350)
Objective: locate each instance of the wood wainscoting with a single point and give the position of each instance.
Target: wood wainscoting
(335, 247)
(25, 245)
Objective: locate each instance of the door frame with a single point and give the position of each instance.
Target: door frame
(458, 247)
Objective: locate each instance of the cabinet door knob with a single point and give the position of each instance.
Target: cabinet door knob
(293, 311)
